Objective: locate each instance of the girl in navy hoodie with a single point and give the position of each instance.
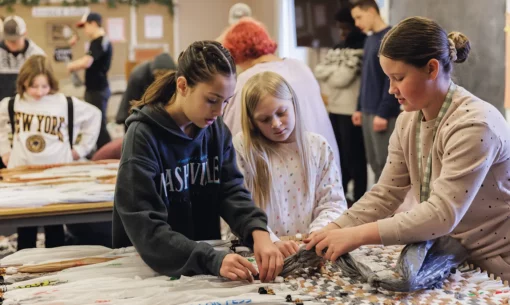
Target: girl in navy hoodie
(178, 175)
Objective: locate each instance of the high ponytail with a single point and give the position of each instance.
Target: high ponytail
(199, 63)
(159, 92)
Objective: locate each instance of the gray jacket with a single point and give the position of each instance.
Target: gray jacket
(340, 73)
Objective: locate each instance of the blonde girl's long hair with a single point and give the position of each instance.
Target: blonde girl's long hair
(259, 150)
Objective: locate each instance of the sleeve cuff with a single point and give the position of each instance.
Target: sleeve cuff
(216, 262)
(389, 232)
(273, 237)
(345, 221)
(79, 150)
(4, 151)
(383, 114)
(247, 235)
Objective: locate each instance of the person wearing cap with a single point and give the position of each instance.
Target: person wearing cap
(96, 64)
(15, 48)
(140, 79)
(236, 12)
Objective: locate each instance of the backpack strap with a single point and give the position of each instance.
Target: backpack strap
(10, 109)
(70, 115)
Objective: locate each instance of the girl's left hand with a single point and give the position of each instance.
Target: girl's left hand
(76, 156)
(337, 242)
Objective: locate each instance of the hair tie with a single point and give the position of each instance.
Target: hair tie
(453, 50)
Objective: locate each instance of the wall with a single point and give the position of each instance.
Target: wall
(484, 72)
(207, 19)
(37, 31)
(267, 12)
(200, 20)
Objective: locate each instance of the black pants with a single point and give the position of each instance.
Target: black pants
(54, 237)
(100, 100)
(352, 153)
(97, 233)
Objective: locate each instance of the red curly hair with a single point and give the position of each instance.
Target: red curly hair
(248, 39)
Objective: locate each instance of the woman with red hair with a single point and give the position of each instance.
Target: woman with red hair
(253, 51)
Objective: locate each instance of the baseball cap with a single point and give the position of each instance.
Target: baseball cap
(89, 18)
(238, 11)
(14, 28)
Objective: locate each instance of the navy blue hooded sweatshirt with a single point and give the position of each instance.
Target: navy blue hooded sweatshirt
(171, 191)
(374, 97)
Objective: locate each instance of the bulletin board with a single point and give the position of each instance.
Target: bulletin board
(38, 31)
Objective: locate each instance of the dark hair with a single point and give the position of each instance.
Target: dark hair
(365, 4)
(199, 63)
(344, 15)
(99, 23)
(417, 40)
(34, 66)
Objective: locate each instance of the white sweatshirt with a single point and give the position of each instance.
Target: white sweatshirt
(41, 133)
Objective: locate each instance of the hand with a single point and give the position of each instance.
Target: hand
(330, 226)
(69, 68)
(380, 124)
(5, 158)
(337, 242)
(72, 41)
(356, 118)
(76, 156)
(237, 268)
(287, 248)
(269, 258)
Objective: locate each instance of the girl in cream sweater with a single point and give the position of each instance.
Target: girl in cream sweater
(449, 148)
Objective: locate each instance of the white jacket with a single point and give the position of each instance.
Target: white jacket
(41, 133)
(340, 73)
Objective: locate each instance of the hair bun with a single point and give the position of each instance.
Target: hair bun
(462, 46)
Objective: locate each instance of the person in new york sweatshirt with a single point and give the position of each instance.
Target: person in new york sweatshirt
(178, 175)
(40, 120)
(450, 149)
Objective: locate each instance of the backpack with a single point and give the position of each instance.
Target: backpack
(70, 115)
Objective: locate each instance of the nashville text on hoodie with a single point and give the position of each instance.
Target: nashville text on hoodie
(190, 171)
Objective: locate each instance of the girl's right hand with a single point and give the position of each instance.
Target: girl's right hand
(287, 248)
(237, 268)
(5, 158)
(330, 226)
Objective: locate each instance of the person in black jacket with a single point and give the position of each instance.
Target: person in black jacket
(140, 79)
(178, 175)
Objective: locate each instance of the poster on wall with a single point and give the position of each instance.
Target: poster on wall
(63, 54)
(59, 11)
(115, 29)
(153, 26)
(58, 33)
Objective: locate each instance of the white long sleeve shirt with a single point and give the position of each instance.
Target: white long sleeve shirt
(41, 130)
(292, 212)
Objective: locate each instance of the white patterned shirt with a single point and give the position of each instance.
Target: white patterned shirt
(292, 212)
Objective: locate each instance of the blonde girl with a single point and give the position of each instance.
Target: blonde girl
(291, 173)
